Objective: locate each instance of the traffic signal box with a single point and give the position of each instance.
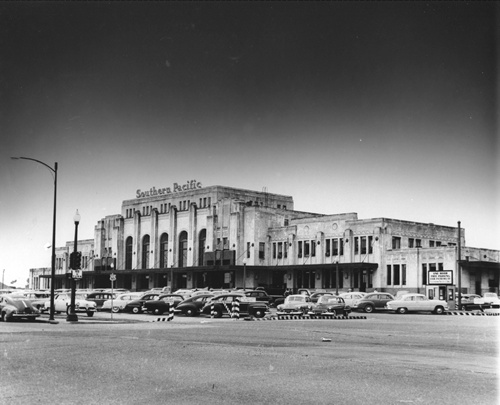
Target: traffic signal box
(75, 260)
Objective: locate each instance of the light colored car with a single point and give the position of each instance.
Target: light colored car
(62, 303)
(352, 298)
(296, 303)
(118, 303)
(487, 298)
(417, 303)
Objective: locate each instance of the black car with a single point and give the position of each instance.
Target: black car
(223, 304)
(100, 297)
(162, 304)
(136, 305)
(193, 305)
(15, 308)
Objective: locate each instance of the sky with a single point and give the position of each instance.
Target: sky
(386, 109)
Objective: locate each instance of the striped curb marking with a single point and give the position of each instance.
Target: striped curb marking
(470, 313)
(170, 316)
(302, 318)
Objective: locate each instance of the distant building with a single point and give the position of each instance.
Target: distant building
(190, 236)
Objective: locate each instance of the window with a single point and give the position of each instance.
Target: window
(431, 243)
(396, 242)
(370, 245)
(403, 274)
(285, 245)
(163, 251)
(356, 245)
(411, 242)
(327, 248)
(335, 247)
(262, 247)
(389, 270)
(440, 266)
(363, 245)
(145, 252)
(280, 250)
(396, 273)
(424, 273)
(341, 247)
(418, 243)
(274, 250)
(306, 248)
(313, 248)
(248, 250)
(300, 249)
(202, 240)
(183, 241)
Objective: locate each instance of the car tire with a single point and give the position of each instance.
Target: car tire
(401, 310)
(4, 317)
(439, 310)
(115, 310)
(217, 313)
(189, 312)
(259, 313)
(368, 308)
(68, 310)
(90, 314)
(136, 310)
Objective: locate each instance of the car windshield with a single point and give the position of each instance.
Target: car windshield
(328, 299)
(296, 298)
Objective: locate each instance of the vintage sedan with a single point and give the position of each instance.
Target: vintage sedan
(331, 305)
(16, 308)
(162, 304)
(193, 305)
(417, 303)
(223, 304)
(373, 301)
(62, 303)
(295, 304)
(135, 306)
(100, 297)
(118, 304)
(352, 298)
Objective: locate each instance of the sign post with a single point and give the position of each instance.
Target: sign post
(112, 278)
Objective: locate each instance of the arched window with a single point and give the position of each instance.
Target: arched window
(128, 253)
(145, 252)
(183, 242)
(163, 250)
(202, 240)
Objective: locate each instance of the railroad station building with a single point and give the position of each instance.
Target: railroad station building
(191, 236)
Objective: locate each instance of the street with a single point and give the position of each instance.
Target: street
(384, 359)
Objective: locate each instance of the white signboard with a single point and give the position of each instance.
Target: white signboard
(76, 274)
(440, 277)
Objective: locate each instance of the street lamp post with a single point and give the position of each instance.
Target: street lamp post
(53, 269)
(72, 316)
(244, 274)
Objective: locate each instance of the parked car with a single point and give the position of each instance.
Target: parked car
(351, 298)
(467, 302)
(62, 303)
(100, 297)
(296, 303)
(193, 306)
(487, 298)
(16, 308)
(316, 295)
(186, 293)
(373, 301)
(417, 303)
(37, 298)
(259, 295)
(162, 303)
(493, 309)
(223, 304)
(331, 304)
(135, 306)
(118, 304)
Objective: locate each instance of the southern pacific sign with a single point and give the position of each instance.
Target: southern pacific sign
(176, 188)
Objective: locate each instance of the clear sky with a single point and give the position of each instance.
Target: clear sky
(387, 109)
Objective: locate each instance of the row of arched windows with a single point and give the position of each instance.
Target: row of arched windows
(182, 256)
